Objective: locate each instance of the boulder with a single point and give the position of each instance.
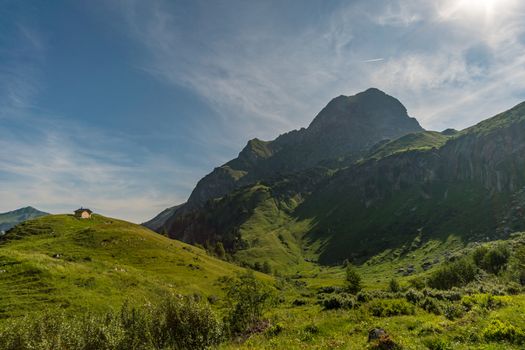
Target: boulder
(376, 333)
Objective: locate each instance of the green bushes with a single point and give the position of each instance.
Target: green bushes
(353, 280)
(503, 331)
(248, 298)
(175, 323)
(453, 274)
(394, 286)
(338, 301)
(393, 307)
(492, 260)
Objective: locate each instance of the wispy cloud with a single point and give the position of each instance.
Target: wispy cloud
(66, 165)
(22, 55)
(265, 81)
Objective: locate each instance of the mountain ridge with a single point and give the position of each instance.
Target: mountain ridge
(10, 219)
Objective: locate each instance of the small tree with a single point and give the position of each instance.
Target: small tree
(248, 298)
(353, 279)
(219, 250)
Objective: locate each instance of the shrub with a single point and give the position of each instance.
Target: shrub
(175, 323)
(393, 307)
(363, 296)
(452, 310)
(431, 305)
(275, 329)
(453, 274)
(503, 331)
(340, 301)
(492, 260)
(413, 296)
(437, 343)
(484, 301)
(248, 298)
(353, 280)
(393, 286)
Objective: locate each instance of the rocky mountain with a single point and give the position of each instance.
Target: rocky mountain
(376, 188)
(346, 128)
(12, 218)
(341, 133)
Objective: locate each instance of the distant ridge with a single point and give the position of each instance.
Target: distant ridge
(10, 219)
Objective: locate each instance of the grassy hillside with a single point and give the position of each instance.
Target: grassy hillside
(76, 264)
(94, 265)
(416, 141)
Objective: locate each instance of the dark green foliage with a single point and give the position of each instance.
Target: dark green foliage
(275, 329)
(219, 250)
(493, 259)
(266, 268)
(393, 307)
(338, 301)
(452, 310)
(393, 286)
(248, 298)
(175, 323)
(353, 280)
(413, 296)
(453, 274)
(431, 305)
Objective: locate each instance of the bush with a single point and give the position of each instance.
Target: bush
(431, 305)
(484, 301)
(492, 260)
(452, 310)
(393, 307)
(453, 274)
(503, 331)
(353, 280)
(275, 329)
(413, 296)
(340, 301)
(175, 323)
(248, 298)
(393, 286)
(436, 343)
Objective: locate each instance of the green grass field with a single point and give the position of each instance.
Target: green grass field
(96, 265)
(62, 261)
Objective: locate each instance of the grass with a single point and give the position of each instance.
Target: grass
(62, 261)
(424, 140)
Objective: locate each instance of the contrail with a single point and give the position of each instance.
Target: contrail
(373, 60)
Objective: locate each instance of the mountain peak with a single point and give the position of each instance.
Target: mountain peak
(372, 106)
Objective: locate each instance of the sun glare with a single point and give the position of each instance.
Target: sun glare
(479, 9)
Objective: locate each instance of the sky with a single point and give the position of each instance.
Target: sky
(122, 106)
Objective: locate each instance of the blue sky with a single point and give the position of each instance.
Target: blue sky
(123, 106)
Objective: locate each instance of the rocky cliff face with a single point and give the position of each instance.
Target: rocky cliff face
(347, 127)
(464, 187)
(427, 185)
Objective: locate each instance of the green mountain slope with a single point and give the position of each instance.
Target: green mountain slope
(466, 187)
(426, 185)
(416, 141)
(344, 130)
(12, 218)
(62, 261)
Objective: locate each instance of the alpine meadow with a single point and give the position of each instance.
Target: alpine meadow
(362, 228)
